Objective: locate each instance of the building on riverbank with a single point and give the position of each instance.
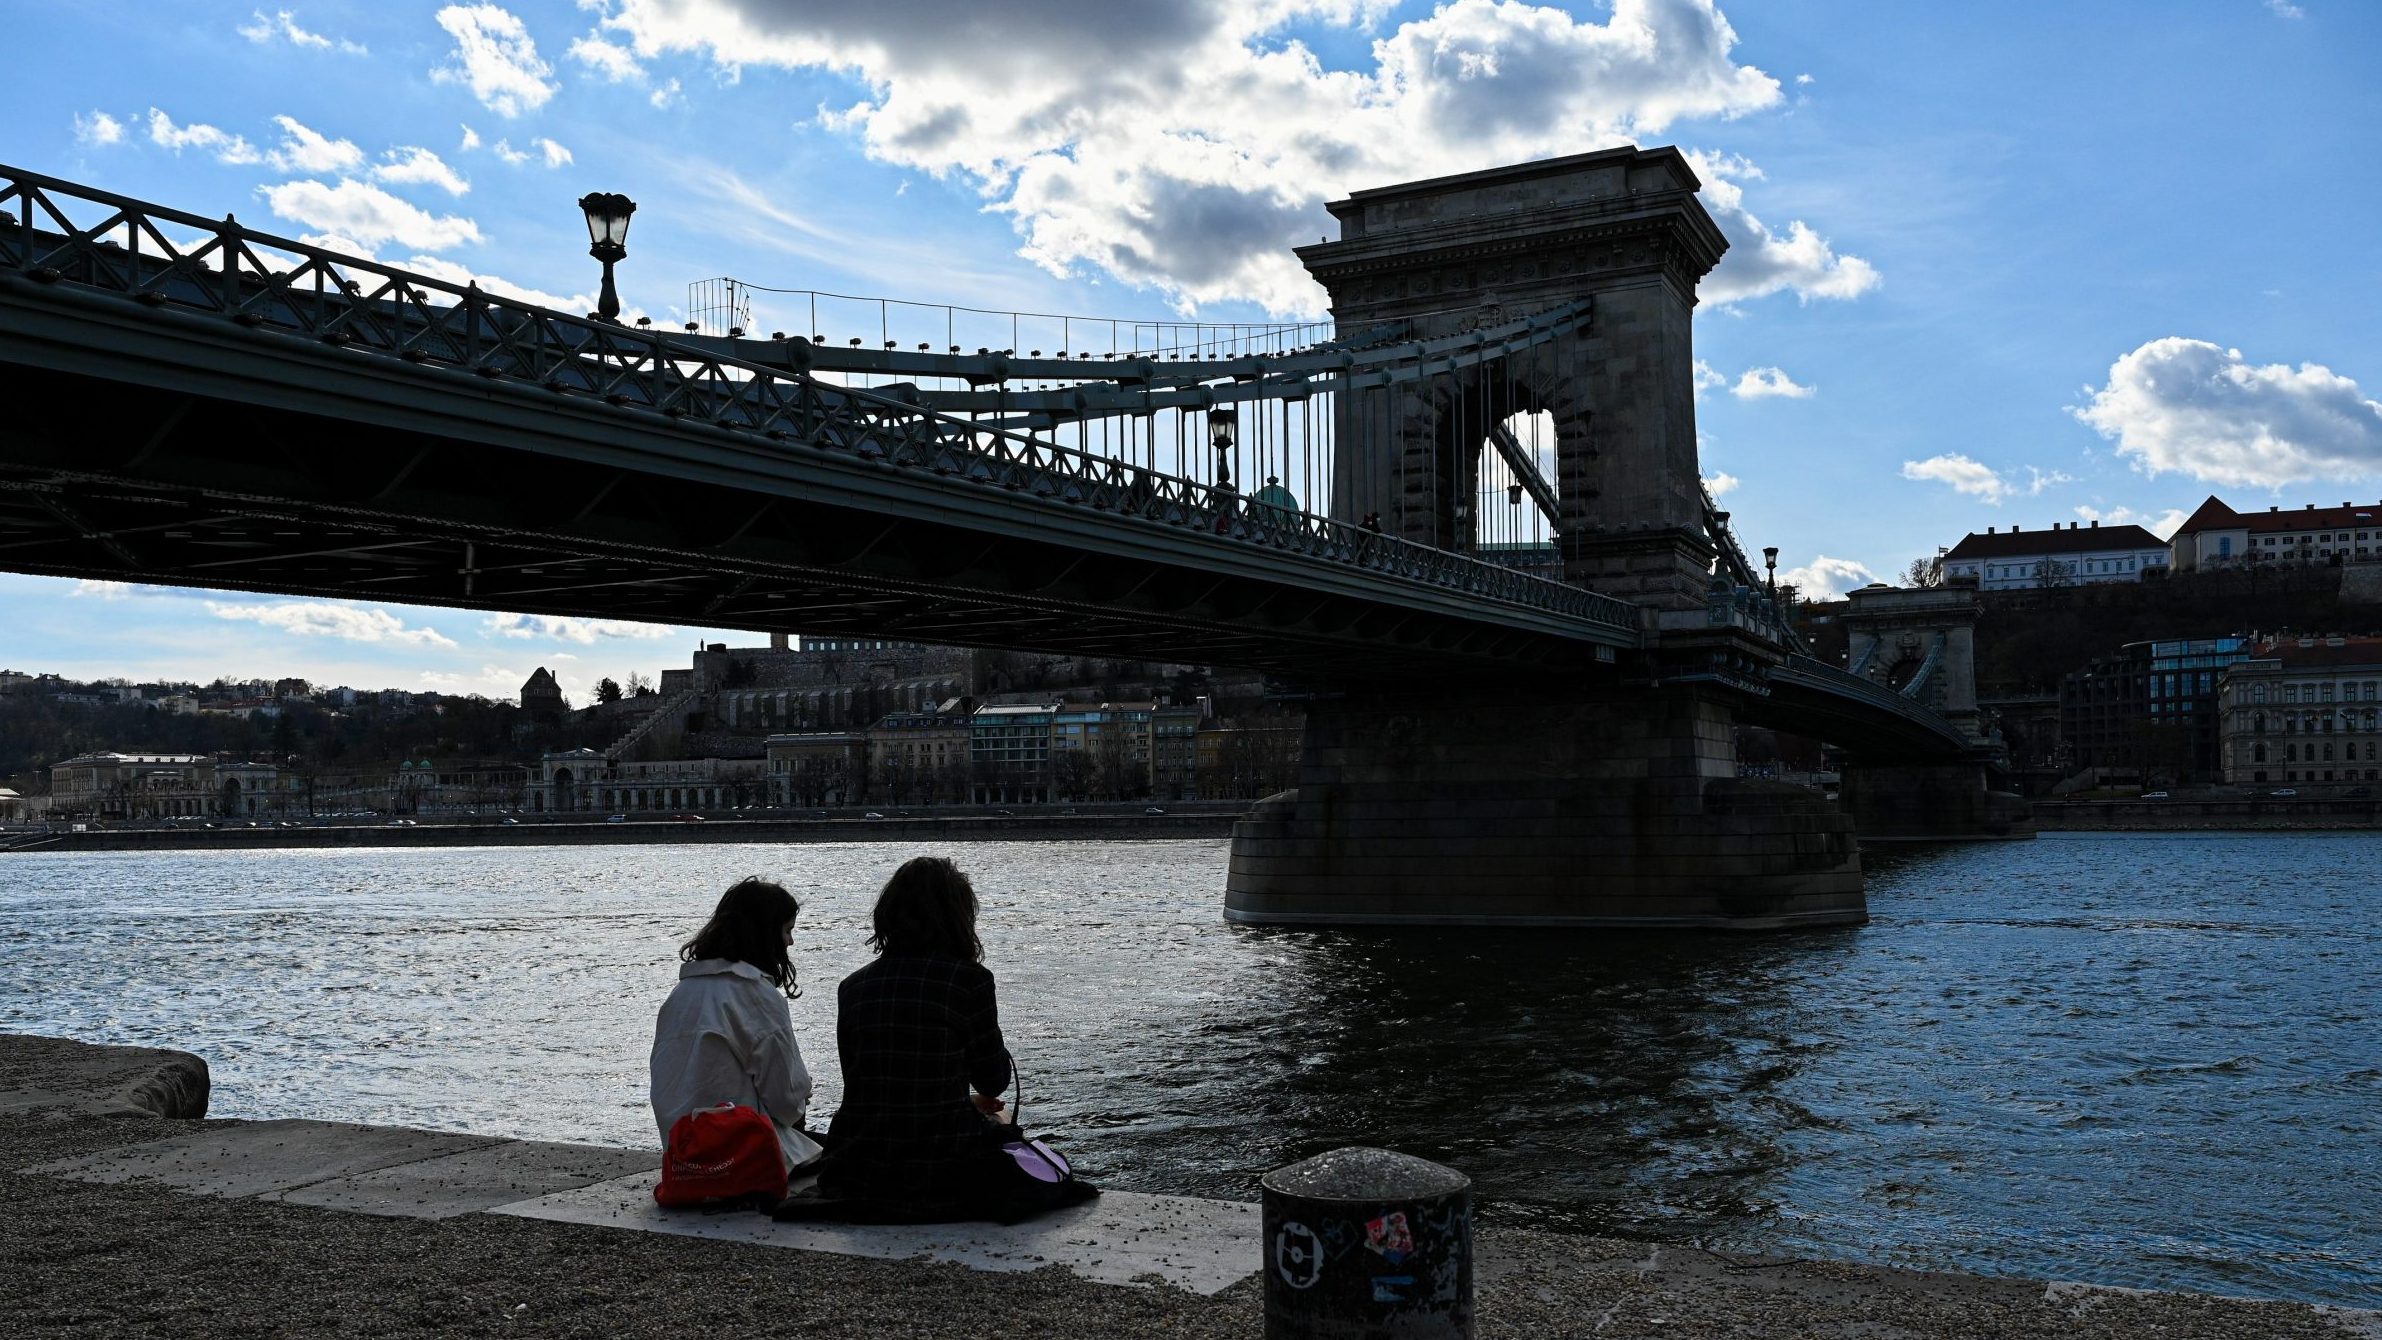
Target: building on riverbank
(2064, 555)
(2304, 710)
(143, 787)
(2216, 536)
(2150, 709)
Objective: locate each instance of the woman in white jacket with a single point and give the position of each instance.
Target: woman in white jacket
(725, 1034)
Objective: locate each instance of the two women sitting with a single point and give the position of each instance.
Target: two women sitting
(922, 1134)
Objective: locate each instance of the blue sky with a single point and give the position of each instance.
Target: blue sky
(2015, 263)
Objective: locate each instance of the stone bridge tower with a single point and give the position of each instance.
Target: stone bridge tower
(1603, 796)
(1620, 229)
(1923, 643)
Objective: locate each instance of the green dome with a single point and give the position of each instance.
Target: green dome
(1274, 497)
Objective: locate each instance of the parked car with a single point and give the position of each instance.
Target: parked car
(2283, 792)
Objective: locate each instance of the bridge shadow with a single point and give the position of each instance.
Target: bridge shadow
(1631, 1084)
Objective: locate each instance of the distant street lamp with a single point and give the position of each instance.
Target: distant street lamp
(1770, 561)
(608, 240)
(1224, 431)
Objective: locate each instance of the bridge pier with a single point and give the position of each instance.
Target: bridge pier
(1613, 807)
(1931, 802)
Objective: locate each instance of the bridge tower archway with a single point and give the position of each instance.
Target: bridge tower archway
(1620, 230)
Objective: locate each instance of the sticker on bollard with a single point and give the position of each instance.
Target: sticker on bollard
(1366, 1242)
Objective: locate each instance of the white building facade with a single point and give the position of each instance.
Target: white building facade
(2074, 554)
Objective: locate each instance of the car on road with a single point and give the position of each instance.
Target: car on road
(872, 814)
(2154, 795)
(1153, 809)
(513, 821)
(399, 823)
(1006, 814)
(2283, 792)
(617, 819)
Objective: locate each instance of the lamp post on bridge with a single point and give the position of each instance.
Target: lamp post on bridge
(608, 241)
(1224, 429)
(1770, 561)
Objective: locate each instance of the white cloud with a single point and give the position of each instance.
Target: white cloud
(496, 58)
(1802, 79)
(96, 589)
(368, 215)
(504, 150)
(227, 147)
(1760, 262)
(1721, 485)
(616, 63)
(97, 128)
(412, 164)
(1979, 480)
(2285, 9)
(304, 150)
(1182, 147)
(282, 25)
(1826, 578)
(1766, 383)
(2162, 524)
(1708, 378)
(497, 683)
(435, 268)
(666, 95)
(471, 140)
(317, 619)
(2191, 407)
(581, 631)
(556, 155)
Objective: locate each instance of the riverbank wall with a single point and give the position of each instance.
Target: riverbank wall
(2236, 814)
(151, 1223)
(643, 832)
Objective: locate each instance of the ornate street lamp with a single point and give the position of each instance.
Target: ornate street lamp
(608, 240)
(1224, 431)
(1770, 561)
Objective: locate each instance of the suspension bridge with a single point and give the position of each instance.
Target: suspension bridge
(1464, 514)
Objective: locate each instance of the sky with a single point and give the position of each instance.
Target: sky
(2021, 263)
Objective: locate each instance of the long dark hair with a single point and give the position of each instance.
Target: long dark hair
(927, 910)
(749, 927)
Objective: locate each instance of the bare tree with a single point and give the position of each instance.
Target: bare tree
(1924, 572)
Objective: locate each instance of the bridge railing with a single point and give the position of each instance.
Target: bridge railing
(58, 232)
(1844, 683)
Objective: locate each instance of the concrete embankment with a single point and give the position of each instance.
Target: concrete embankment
(543, 833)
(2239, 814)
(141, 1225)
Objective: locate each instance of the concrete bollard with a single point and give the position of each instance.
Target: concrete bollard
(1365, 1242)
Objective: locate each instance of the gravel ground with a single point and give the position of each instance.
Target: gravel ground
(86, 1259)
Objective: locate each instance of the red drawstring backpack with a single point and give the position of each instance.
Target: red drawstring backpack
(720, 1154)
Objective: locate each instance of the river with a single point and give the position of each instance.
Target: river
(2130, 1059)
